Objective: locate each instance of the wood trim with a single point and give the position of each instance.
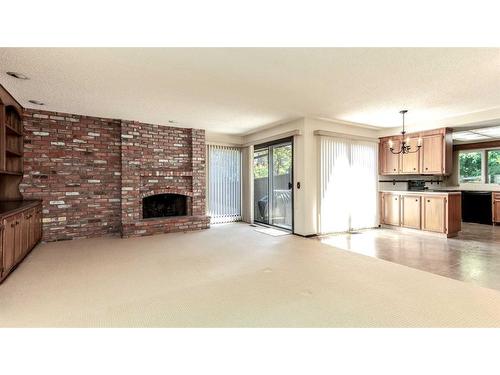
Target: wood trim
(272, 138)
(476, 145)
(327, 133)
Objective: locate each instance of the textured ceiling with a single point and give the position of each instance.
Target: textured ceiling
(238, 90)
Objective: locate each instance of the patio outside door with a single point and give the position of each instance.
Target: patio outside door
(273, 184)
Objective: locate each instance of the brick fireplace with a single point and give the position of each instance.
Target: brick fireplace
(93, 174)
(159, 160)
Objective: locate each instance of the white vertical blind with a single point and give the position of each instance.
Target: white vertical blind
(348, 184)
(223, 183)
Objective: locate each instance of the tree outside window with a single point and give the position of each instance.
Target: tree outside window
(470, 166)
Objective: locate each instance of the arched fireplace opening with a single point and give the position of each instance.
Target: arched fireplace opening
(165, 205)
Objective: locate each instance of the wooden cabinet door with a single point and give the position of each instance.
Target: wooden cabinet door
(18, 237)
(33, 228)
(410, 163)
(432, 154)
(389, 161)
(25, 232)
(434, 214)
(391, 209)
(411, 211)
(38, 224)
(9, 243)
(496, 211)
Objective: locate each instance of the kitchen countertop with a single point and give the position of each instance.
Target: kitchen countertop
(422, 192)
(11, 207)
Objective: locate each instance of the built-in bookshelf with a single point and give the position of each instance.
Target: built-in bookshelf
(11, 146)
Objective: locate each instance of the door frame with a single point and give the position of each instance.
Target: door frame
(281, 141)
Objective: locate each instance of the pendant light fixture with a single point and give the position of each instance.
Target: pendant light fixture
(405, 142)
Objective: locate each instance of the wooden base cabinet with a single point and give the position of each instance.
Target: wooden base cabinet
(439, 213)
(496, 207)
(434, 214)
(390, 209)
(20, 232)
(411, 211)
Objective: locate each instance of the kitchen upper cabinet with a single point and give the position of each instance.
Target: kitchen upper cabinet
(391, 209)
(410, 163)
(434, 214)
(410, 209)
(435, 157)
(432, 154)
(389, 162)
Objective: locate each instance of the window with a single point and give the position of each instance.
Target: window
(471, 166)
(493, 166)
(479, 166)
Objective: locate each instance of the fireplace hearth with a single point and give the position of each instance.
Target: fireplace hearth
(164, 205)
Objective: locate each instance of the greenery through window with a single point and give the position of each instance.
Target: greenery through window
(493, 166)
(470, 166)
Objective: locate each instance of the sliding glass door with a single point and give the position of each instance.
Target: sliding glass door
(273, 184)
(348, 185)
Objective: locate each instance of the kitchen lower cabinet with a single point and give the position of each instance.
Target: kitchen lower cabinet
(391, 209)
(427, 211)
(495, 202)
(411, 211)
(434, 214)
(21, 230)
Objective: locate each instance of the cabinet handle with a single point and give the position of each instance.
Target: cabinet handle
(426, 169)
(428, 201)
(12, 225)
(416, 200)
(394, 169)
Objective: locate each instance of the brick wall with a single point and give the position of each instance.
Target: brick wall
(92, 174)
(73, 164)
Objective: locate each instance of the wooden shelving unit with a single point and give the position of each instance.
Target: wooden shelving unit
(11, 146)
(20, 220)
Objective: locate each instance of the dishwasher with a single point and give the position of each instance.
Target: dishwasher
(476, 207)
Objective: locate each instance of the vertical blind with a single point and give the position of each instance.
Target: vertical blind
(223, 183)
(348, 185)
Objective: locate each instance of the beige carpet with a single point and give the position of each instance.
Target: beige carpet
(231, 276)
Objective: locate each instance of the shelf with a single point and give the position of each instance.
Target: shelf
(13, 153)
(12, 130)
(11, 173)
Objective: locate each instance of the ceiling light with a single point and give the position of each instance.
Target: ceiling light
(493, 131)
(468, 136)
(17, 75)
(37, 102)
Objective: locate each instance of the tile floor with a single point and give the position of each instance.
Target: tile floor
(473, 256)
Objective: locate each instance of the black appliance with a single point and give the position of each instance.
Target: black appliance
(416, 185)
(476, 207)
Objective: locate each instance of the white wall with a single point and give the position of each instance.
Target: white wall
(305, 164)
